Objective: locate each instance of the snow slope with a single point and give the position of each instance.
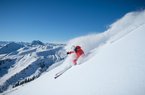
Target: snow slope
(113, 66)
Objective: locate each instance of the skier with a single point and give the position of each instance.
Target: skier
(78, 51)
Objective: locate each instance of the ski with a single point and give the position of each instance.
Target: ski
(61, 72)
(57, 75)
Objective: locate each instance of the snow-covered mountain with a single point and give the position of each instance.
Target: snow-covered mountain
(113, 64)
(23, 62)
(37, 42)
(11, 47)
(3, 43)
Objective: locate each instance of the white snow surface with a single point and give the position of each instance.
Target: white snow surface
(114, 64)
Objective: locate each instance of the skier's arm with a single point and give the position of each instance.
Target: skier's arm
(70, 52)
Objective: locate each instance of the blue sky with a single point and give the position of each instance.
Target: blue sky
(59, 20)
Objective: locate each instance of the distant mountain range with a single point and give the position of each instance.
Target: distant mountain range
(22, 62)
